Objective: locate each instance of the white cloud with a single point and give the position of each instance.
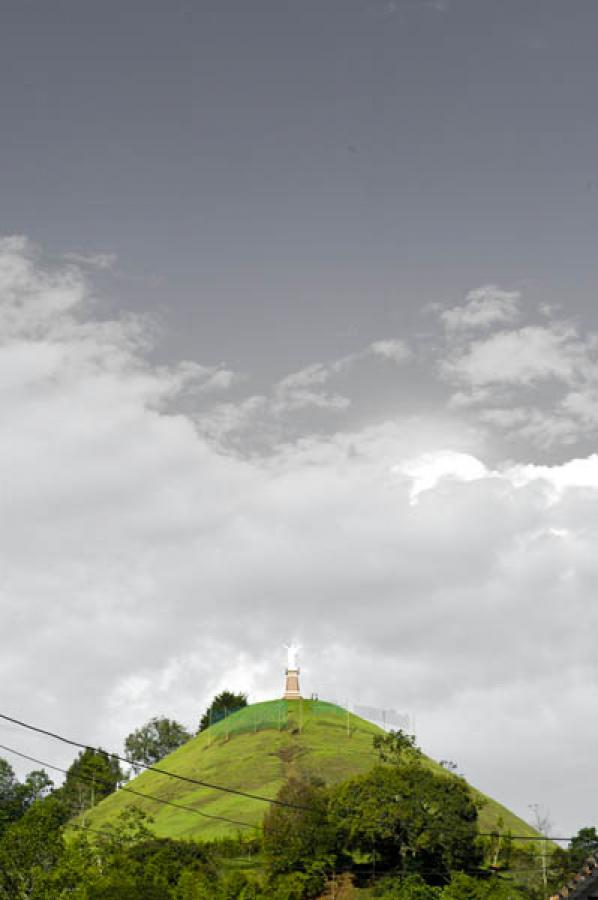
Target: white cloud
(92, 260)
(393, 349)
(141, 566)
(427, 470)
(575, 473)
(523, 357)
(516, 416)
(483, 307)
(538, 383)
(304, 389)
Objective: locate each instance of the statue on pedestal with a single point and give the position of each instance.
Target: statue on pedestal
(292, 651)
(291, 687)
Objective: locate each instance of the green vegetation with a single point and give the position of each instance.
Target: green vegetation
(93, 776)
(583, 845)
(410, 815)
(257, 750)
(154, 741)
(359, 814)
(16, 797)
(223, 705)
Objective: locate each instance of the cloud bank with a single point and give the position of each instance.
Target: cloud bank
(144, 566)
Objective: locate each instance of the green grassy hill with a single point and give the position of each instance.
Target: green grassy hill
(256, 750)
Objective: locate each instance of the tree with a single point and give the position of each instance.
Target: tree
(155, 740)
(396, 747)
(36, 786)
(17, 797)
(8, 781)
(30, 848)
(564, 864)
(583, 845)
(92, 776)
(409, 818)
(297, 836)
(222, 705)
(8, 787)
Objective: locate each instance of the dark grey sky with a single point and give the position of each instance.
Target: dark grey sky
(381, 217)
(305, 175)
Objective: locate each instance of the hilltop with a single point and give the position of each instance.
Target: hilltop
(256, 750)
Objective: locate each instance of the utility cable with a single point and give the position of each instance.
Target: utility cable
(108, 835)
(88, 780)
(522, 837)
(218, 787)
(186, 778)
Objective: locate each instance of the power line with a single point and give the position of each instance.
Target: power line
(129, 790)
(522, 837)
(215, 787)
(218, 787)
(107, 834)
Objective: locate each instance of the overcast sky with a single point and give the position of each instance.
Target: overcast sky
(298, 339)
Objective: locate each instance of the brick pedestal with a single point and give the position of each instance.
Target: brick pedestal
(291, 688)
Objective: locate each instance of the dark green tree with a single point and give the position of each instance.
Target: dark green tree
(30, 848)
(92, 776)
(299, 836)
(17, 797)
(8, 794)
(410, 819)
(155, 740)
(564, 864)
(8, 781)
(36, 786)
(101, 859)
(583, 845)
(397, 747)
(222, 705)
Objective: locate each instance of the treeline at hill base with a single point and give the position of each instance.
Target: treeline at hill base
(400, 831)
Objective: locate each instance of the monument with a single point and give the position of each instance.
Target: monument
(291, 687)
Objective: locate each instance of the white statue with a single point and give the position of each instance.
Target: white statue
(292, 651)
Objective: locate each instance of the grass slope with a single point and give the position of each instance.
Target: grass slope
(314, 739)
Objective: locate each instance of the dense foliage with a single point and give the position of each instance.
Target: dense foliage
(404, 830)
(409, 818)
(154, 740)
(16, 797)
(92, 776)
(301, 838)
(222, 705)
(583, 845)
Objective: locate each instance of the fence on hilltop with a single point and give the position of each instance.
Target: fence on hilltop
(296, 715)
